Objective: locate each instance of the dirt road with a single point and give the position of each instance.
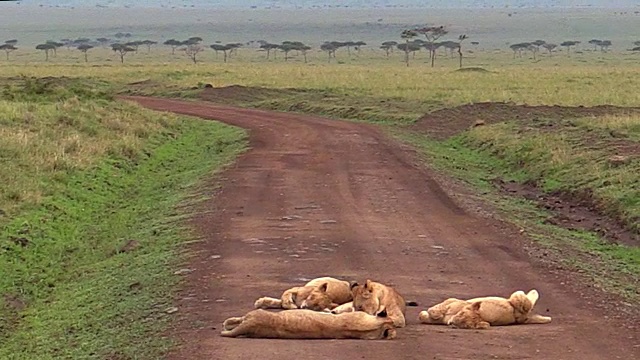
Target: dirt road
(316, 197)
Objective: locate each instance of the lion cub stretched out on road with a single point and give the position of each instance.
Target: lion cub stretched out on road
(309, 324)
(482, 312)
(373, 297)
(321, 294)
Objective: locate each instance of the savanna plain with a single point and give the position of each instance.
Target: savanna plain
(98, 193)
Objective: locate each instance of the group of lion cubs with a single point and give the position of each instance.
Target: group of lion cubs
(328, 308)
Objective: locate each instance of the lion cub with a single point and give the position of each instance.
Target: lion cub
(373, 297)
(308, 324)
(483, 312)
(321, 294)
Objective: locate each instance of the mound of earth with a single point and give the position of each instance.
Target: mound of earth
(444, 123)
(237, 93)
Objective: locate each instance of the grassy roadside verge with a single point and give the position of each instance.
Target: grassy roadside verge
(88, 246)
(611, 267)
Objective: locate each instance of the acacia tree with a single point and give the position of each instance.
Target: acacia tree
(8, 48)
(103, 41)
(388, 46)
(122, 50)
(449, 45)
(538, 43)
(84, 48)
(13, 42)
(517, 48)
(534, 50)
(461, 38)
(233, 48)
(54, 46)
(223, 48)
(348, 45)
(194, 40)
(173, 43)
(568, 45)
(337, 45)
(192, 52)
(134, 45)
(80, 41)
(407, 35)
(409, 48)
(148, 44)
(330, 48)
(303, 51)
(550, 47)
(604, 45)
(46, 48)
(432, 34)
(595, 43)
(359, 44)
(286, 48)
(268, 47)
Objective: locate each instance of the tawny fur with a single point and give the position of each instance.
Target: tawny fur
(373, 297)
(480, 313)
(308, 324)
(321, 294)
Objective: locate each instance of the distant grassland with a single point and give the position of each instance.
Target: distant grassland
(582, 79)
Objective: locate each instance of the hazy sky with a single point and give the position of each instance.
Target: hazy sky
(335, 3)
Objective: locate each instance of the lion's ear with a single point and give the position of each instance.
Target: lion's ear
(367, 285)
(323, 287)
(476, 306)
(353, 284)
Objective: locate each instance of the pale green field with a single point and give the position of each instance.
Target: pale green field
(589, 78)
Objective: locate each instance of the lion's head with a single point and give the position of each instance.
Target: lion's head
(365, 298)
(469, 318)
(318, 299)
(522, 306)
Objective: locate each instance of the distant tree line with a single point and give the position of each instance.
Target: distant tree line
(411, 42)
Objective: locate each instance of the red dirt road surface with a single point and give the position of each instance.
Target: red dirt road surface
(318, 197)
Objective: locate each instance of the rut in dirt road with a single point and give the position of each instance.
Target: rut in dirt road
(317, 197)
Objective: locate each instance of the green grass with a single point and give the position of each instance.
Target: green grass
(65, 291)
(609, 266)
(570, 160)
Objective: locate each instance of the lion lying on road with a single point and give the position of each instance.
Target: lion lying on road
(321, 294)
(480, 313)
(373, 298)
(309, 324)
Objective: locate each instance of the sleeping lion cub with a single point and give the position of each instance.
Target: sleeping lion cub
(480, 313)
(308, 324)
(321, 294)
(373, 297)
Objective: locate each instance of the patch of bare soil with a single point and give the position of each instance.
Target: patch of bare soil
(316, 196)
(237, 93)
(445, 123)
(573, 212)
